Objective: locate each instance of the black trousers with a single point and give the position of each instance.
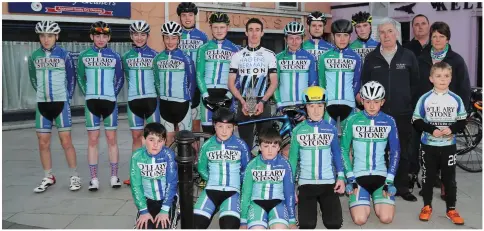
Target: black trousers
(246, 132)
(404, 127)
(329, 203)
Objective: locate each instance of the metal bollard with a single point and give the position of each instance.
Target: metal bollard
(185, 177)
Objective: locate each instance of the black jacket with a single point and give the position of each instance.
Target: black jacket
(415, 47)
(460, 83)
(400, 79)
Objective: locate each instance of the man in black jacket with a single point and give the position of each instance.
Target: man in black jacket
(420, 26)
(396, 68)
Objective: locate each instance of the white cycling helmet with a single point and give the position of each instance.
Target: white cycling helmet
(294, 28)
(171, 28)
(47, 27)
(372, 90)
(139, 26)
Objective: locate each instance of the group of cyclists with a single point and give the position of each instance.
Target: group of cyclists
(169, 91)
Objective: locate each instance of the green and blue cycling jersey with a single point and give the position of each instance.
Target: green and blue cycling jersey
(296, 71)
(315, 148)
(368, 137)
(153, 177)
(138, 70)
(339, 73)
(52, 74)
(363, 48)
(317, 47)
(222, 163)
(174, 76)
(191, 41)
(100, 73)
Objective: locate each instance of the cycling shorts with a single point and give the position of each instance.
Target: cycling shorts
(175, 113)
(196, 105)
(97, 108)
(141, 109)
(205, 113)
(209, 200)
(154, 208)
(267, 213)
(370, 185)
(48, 113)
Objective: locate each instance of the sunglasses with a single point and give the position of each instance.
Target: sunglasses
(102, 30)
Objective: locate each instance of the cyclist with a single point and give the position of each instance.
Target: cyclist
(268, 188)
(339, 73)
(154, 176)
(213, 61)
(254, 68)
(315, 147)
(52, 75)
(142, 93)
(296, 68)
(368, 132)
(363, 44)
(316, 45)
(175, 78)
(191, 40)
(223, 158)
(100, 77)
(440, 114)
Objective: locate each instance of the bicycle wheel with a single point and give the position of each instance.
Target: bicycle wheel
(469, 147)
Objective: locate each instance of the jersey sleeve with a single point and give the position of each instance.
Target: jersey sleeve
(289, 193)
(156, 74)
(136, 185)
(336, 153)
(419, 112)
(119, 79)
(394, 151)
(81, 74)
(201, 71)
(190, 73)
(70, 75)
(234, 62)
(245, 158)
(246, 192)
(32, 74)
(418, 118)
(203, 161)
(171, 182)
(346, 139)
(277, 93)
(294, 151)
(357, 75)
(272, 62)
(125, 67)
(321, 70)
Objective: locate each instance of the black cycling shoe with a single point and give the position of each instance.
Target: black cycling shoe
(408, 197)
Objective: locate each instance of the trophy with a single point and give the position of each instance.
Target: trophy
(251, 97)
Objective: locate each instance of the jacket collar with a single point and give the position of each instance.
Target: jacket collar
(428, 59)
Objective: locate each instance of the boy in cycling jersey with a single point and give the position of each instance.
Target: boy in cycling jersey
(439, 114)
(363, 44)
(268, 187)
(222, 162)
(175, 78)
(154, 179)
(368, 132)
(100, 77)
(315, 148)
(52, 76)
(316, 45)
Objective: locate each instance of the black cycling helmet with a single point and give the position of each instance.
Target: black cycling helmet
(100, 27)
(186, 7)
(219, 17)
(361, 17)
(223, 115)
(341, 26)
(316, 16)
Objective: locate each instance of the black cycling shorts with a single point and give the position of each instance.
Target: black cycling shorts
(173, 112)
(143, 108)
(50, 110)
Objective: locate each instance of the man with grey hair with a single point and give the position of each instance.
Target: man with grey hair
(396, 68)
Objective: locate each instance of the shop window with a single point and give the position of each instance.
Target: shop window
(289, 5)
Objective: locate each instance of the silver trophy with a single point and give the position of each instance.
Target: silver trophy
(251, 97)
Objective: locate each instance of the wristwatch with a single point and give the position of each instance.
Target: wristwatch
(263, 101)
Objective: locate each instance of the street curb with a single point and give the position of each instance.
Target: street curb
(31, 124)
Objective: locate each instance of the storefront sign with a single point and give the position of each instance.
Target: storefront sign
(440, 6)
(270, 22)
(104, 9)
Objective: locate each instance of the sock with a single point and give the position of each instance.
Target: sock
(114, 169)
(93, 170)
(48, 173)
(74, 172)
(450, 208)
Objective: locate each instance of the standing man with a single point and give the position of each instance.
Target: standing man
(192, 39)
(363, 44)
(316, 44)
(396, 68)
(257, 71)
(421, 31)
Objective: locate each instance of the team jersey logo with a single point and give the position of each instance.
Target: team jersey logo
(316, 53)
(273, 176)
(441, 115)
(294, 65)
(99, 62)
(170, 64)
(41, 63)
(152, 170)
(371, 132)
(363, 52)
(315, 139)
(253, 66)
(221, 155)
(190, 44)
(218, 54)
(337, 63)
(140, 62)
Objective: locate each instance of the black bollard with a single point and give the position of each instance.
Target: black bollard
(185, 177)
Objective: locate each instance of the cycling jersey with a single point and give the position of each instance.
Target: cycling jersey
(253, 67)
(213, 63)
(153, 177)
(100, 73)
(339, 73)
(296, 71)
(174, 75)
(368, 136)
(191, 40)
(52, 74)
(363, 48)
(138, 69)
(317, 47)
(268, 180)
(440, 110)
(315, 147)
(222, 163)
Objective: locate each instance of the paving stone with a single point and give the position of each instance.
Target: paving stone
(52, 221)
(83, 206)
(5, 216)
(102, 222)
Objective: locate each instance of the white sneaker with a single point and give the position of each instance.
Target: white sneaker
(46, 182)
(94, 184)
(75, 183)
(115, 182)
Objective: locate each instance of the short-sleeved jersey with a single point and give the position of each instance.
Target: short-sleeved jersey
(317, 47)
(363, 48)
(100, 73)
(191, 40)
(440, 110)
(174, 76)
(52, 74)
(253, 67)
(296, 71)
(138, 70)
